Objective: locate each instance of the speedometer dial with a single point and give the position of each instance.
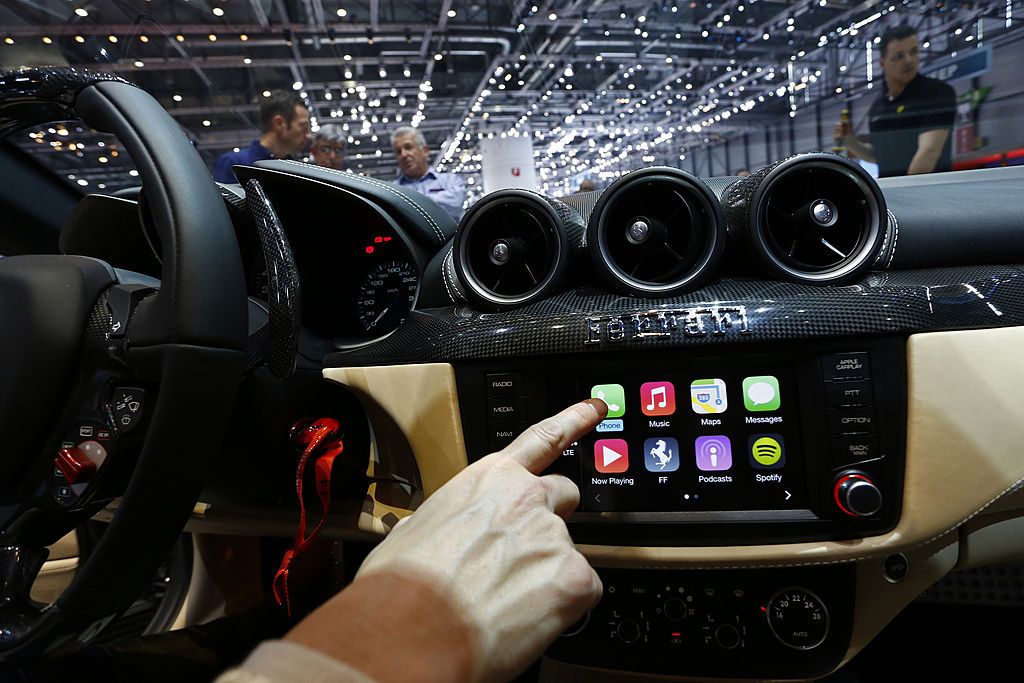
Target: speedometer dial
(386, 295)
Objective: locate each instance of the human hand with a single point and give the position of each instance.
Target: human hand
(495, 540)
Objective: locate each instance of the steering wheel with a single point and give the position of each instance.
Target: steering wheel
(111, 386)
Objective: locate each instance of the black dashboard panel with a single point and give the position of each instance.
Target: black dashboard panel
(783, 623)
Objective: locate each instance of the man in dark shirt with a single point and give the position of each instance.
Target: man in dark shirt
(284, 121)
(911, 121)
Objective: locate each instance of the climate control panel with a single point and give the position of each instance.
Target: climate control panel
(743, 623)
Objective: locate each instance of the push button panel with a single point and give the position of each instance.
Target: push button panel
(699, 623)
(506, 408)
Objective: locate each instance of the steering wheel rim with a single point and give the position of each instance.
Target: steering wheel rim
(187, 340)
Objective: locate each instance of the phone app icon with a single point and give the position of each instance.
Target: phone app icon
(708, 396)
(658, 398)
(761, 393)
(661, 454)
(714, 453)
(611, 456)
(767, 451)
(613, 395)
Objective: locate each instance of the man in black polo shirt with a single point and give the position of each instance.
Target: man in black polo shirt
(911, 121)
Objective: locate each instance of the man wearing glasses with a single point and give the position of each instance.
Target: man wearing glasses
(328, 149)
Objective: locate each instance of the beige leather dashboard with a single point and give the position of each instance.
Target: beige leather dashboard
(964, 461)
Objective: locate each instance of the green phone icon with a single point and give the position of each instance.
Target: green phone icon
(761, 393)
(613, 395)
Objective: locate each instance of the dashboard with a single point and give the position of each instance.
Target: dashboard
(795, 448)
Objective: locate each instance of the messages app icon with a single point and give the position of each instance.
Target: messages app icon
(613, 395)
(761, 393)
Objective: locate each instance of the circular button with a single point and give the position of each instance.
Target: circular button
(896, 567)
(628, 632)
(856, 495)
(727, 636)
(674, 609)
(798, 618)
(638, 232)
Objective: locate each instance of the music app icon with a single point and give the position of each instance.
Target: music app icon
(657, 398)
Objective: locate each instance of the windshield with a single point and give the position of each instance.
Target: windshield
(558, 97)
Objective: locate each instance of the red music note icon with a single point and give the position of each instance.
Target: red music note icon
(658, 398)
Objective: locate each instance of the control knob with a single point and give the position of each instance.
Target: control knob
(856, 495)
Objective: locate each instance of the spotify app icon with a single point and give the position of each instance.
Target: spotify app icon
(767, 451)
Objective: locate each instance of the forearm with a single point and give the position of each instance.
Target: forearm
(924, 160)
(361, 625)
(860, 147)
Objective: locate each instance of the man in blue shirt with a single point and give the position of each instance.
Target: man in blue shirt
(284, 121)
(415, 173)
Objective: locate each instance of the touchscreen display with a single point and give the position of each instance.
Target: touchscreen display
(693, 442)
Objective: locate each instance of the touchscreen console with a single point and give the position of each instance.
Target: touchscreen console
(767, 444)
(720, 440)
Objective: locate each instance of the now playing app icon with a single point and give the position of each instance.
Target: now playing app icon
(611, 456)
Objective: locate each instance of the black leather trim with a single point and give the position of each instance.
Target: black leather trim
(422, 219)
(952, 219)
(441, 286)
(206, 286)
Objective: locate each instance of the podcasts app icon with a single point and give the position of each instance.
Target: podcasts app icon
(714, 453)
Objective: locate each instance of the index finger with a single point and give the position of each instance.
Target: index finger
(541, 444)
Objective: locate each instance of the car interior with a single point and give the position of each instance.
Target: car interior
(811, 464)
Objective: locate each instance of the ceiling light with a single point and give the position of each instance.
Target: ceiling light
(342, 12)
(266, 93)
(552, 16)
(297, 85)
(9, 40)
(246, 61)
(112, 39)
(206, 122)
(103, 160)
(139, 64)
(176, 98)
(438, 57)
(79, 39)
(218, 12)
(451, 14)
(180, 38)
(244, 37)
(143, 38)
(81, 12)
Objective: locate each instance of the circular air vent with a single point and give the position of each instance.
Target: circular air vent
(815, 218)
(656, 232)
(513, 247)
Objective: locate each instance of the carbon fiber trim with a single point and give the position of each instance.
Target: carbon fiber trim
(285, 292)
(582, 202)
(899, 302)
(40, 95)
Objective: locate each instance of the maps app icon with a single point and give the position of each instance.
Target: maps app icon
(708, 396)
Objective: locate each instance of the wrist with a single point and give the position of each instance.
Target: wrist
(385, 610)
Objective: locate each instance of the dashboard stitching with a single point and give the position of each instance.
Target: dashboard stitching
(444, 275)
(383, 186)
(895, 238)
